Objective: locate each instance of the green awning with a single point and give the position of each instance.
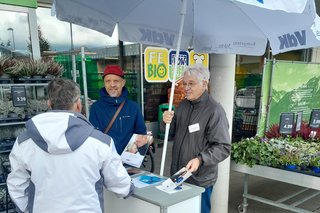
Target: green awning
(23, 3)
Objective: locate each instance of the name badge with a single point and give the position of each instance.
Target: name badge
(194, 128)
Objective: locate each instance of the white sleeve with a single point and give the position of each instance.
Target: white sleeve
(116, 178)
(113, 146)
(18, 180)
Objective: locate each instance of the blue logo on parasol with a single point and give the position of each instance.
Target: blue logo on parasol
(157, 37)
(295, 39)
(261, 1)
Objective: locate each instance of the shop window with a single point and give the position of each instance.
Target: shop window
(14, 34)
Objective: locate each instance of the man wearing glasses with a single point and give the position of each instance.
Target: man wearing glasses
(199, 129)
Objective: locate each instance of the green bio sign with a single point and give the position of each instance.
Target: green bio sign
(156, 64)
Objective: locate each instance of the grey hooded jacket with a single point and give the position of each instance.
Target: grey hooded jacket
(211, 142)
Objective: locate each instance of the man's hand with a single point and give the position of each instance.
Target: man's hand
(193, 165)
(167, 116)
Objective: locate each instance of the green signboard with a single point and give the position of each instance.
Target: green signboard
(22, 3)
(295, 87)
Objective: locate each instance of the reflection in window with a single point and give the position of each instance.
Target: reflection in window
(58, 33)
(14, 34)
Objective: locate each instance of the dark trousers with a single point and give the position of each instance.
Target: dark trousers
(206, 200)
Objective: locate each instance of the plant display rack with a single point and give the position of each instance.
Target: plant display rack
(299, 179)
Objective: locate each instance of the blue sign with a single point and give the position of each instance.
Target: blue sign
(183, 61)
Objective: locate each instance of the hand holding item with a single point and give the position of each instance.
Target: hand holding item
(178, 177)
(167, 116)
(141, 140)
(132, 148)
(193, 165)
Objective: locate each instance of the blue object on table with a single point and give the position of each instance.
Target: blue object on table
(149, 179)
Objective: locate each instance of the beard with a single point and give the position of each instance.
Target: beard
(113, 93)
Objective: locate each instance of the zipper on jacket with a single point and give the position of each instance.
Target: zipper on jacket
(185, 133)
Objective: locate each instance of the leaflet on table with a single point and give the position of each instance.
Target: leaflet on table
(176, 180)
(177, 189)
(136, 149)
(146, 180)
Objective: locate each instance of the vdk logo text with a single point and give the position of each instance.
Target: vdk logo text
(153, 36)
(293, 40)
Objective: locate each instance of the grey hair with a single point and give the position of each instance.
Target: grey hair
(202, 73)
(63, 93)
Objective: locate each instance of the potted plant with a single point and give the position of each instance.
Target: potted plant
(252, 151)
(290, 161)
(54, 69)
(7, 65)
(314, 163)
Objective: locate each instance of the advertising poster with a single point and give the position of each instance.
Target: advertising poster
(199, 58)
(295, 87)
(156, 64)
(159, 63)
(183, 61)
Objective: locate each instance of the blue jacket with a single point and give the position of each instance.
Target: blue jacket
(128, 122)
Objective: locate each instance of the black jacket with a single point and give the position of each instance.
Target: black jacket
(212, 142)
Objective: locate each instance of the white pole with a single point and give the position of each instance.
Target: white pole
(73, 57)
(222, 82)
(166, 135)
(141, 80)
(34, 35)
(74, 70)
(84, 76)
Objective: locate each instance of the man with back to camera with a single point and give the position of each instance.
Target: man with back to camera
(112, 95)
(60, 163)
(199, 128)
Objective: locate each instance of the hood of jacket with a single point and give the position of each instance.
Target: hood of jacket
(57, 132)
(112, 100)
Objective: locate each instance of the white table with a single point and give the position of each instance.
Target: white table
(152, 200)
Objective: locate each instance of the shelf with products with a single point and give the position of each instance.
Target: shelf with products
(246, 112)
(19, 102)
(155, 94)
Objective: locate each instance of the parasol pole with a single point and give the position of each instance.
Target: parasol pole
(84, 78)
(166, 135)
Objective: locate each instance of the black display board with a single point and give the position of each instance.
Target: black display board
(315, 118)
(286, 123)
(19, 97)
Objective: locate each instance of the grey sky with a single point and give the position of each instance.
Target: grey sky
(54, 30)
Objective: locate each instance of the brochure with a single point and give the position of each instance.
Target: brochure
(176, 180)
(146, 180)
(136, 149)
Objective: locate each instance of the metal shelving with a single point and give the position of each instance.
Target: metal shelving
(307, 181)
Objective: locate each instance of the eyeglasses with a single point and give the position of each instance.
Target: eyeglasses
(189, 84)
